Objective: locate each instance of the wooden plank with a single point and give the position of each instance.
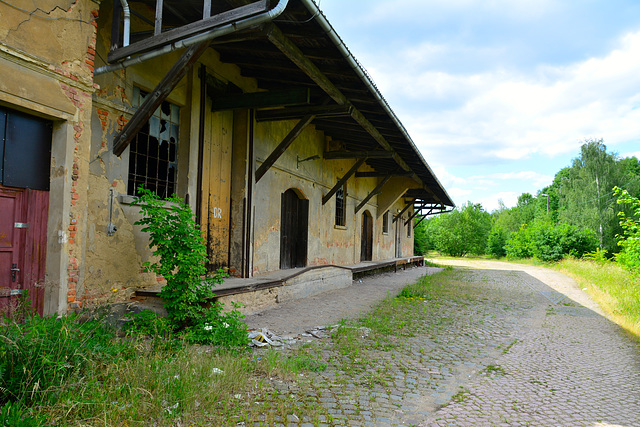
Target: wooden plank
(157, 28)
(287, 47)
(376, 174)
(188, 30)
(373, 192)
(416, 212)
(344, 179)
(395, 218)
(278, 98)
(159, 94)
(298, 112)
(332, 155)
(282, 147)
(206, 9)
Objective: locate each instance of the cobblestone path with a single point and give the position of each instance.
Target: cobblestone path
(504, 348)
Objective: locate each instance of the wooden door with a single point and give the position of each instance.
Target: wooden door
(366, 242)
(23, 224)
(294, 219)
(25, 153)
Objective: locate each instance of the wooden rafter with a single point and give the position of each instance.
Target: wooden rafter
(404, 210)
(282, 147)
(188, 30)
(276, 98)
(287, 47)
(341, 182)
(298, 112)
(157, 97)
(413, 215)
(376, 174)
(357, 154)
(373, 192)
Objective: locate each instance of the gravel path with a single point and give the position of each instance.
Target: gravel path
(514, 345)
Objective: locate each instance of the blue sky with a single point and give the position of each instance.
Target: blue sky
(498, 95)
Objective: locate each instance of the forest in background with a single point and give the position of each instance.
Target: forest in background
(579, 214)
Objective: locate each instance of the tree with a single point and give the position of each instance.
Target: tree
(462, 231)
(585, 196)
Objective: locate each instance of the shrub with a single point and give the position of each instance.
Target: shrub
(496, 242)
(630, 243)
(182, 258)
(550, 242)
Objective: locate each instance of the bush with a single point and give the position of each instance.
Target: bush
(496, 242)
(550, 242)
(630, 242)
(178, 243)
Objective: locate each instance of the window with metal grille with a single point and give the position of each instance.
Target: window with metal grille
(409, 228)
(153, 152)
(385, 223)
(341, 196)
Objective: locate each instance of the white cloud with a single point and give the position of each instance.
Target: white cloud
(509, 116)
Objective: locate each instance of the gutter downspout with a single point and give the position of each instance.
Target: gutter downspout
(209, 35)
(326, 26)
(127, 22)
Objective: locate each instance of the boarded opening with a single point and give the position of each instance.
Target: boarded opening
(294, 230)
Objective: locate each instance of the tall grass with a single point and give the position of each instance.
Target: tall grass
(615, 289)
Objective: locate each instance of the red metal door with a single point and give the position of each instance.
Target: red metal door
(23, 225)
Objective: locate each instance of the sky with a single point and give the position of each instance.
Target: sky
(499, 95)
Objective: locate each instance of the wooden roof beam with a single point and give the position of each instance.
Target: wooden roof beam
(292, 51)
(298, 112)
(342, 180)
(376, 174)
(332, 155)
(188, 30)
(280, 98)
(413, 215)
(282, 147)
(159, 94)
(404, 210)
(373, 192)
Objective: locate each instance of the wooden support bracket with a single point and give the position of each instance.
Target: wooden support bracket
(395, 218)
(341, 182)
(159, 94)
(373, 192)
(282, 147)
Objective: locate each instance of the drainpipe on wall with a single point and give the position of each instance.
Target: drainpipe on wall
(127, 22)
(209, 35)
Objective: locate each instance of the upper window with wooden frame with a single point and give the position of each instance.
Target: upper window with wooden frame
(341, 206)
(153, 152)
(385, 223)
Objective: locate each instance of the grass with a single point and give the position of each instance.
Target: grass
(615, 289)
(137, 380)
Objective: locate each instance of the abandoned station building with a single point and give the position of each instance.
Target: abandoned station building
(254, 112)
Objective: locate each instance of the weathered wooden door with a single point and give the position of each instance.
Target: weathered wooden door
(294, 230)
(25, 152)
(366, 242)
(398, 237)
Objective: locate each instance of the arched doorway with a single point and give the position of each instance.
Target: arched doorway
(293, 230)
(366, 242)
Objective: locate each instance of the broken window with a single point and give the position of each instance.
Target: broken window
(385, 223)
(341, 196)
(153, 153)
